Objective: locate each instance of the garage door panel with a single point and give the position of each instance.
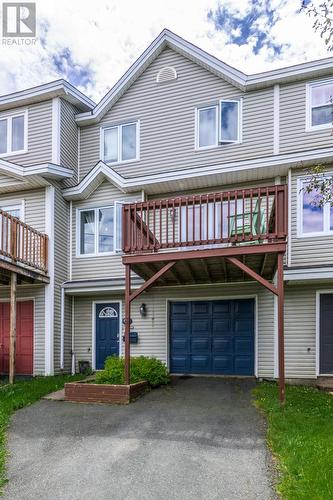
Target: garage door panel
(201, 308)
(223, 365)
(180, 364)
(200, 327)
(222, 344)
(243, 326)
(201, 345)
(214, 337)
(200, 364)
(222, 325)
(244, 365)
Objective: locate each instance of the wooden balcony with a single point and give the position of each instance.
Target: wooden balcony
(244, 216)
(200, 232)
(22, 250)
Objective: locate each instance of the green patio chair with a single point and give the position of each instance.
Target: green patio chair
(236, 223)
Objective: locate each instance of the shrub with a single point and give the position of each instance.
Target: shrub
(142, 368)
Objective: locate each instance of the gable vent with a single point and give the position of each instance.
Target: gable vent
(166, 74)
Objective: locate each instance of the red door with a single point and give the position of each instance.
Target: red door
(24, 337)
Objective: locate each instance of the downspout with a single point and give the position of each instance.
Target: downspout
(73, 328)
(62, 329)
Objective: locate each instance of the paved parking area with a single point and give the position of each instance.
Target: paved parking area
(199, 438)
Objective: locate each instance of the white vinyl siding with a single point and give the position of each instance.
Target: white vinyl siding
(167, 120)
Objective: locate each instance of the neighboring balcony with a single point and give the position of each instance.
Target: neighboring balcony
(245, 216)
(23, 250)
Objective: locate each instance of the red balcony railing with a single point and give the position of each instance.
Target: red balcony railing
(21, 243)
(231, 217)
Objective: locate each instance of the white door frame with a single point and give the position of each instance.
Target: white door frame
(318, 294)
(230, 297)
(93, 336)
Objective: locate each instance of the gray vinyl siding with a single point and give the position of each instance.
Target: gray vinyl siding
(167, 120)
(61, 259)
(153, 329)
(101, 266)
(34, 206)
(68, 140)
(307, 251)
(39, 136)
(293, 136)
(35, 292)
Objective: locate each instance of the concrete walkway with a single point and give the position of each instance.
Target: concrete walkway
(199, 438)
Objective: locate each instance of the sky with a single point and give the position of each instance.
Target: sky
(92, 43)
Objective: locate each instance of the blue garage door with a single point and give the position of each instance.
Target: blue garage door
(213, 337)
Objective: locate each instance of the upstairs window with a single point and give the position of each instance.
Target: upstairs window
(314, 219)
(320, 105)
(13, 134)
(99, 230)
(120, 143)
(218, 124)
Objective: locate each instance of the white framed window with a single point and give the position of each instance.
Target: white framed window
(219, 124)
(14, 209)
(99, 230)
(13, 133)
(120, 143)
(319, 105)
(313, 219)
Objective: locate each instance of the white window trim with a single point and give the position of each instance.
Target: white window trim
(9, 117)
(14, 205)
(78, 231)
(240, 124)
(119, 127)
(308, 115)
(300, 193)
(197, 112)
(218, 141)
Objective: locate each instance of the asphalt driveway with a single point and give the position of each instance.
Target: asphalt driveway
(199, 438)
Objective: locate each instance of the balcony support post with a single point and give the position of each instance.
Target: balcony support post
(12, 327)
(280, 287)
(127, 323)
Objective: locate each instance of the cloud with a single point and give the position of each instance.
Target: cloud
(91, 44)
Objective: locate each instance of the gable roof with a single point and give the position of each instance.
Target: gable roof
(57, 88)
(232, 75)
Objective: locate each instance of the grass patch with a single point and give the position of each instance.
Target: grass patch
(300, 435)
(19, 395)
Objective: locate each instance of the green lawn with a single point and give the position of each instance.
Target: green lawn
(17, 396)
(300, 436)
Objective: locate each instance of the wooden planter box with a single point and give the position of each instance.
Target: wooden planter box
(85, 392)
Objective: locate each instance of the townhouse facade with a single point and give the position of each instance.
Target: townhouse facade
(184, 154)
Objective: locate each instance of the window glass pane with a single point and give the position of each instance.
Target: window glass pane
(321, 115)
(313, 214)
(15, 212)
(17, 133)
(87, 243)
(207, 127)
(105, 230)
(229, 121)
(111, 144)
(3, 136)
(128, 149)
(322, 94)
